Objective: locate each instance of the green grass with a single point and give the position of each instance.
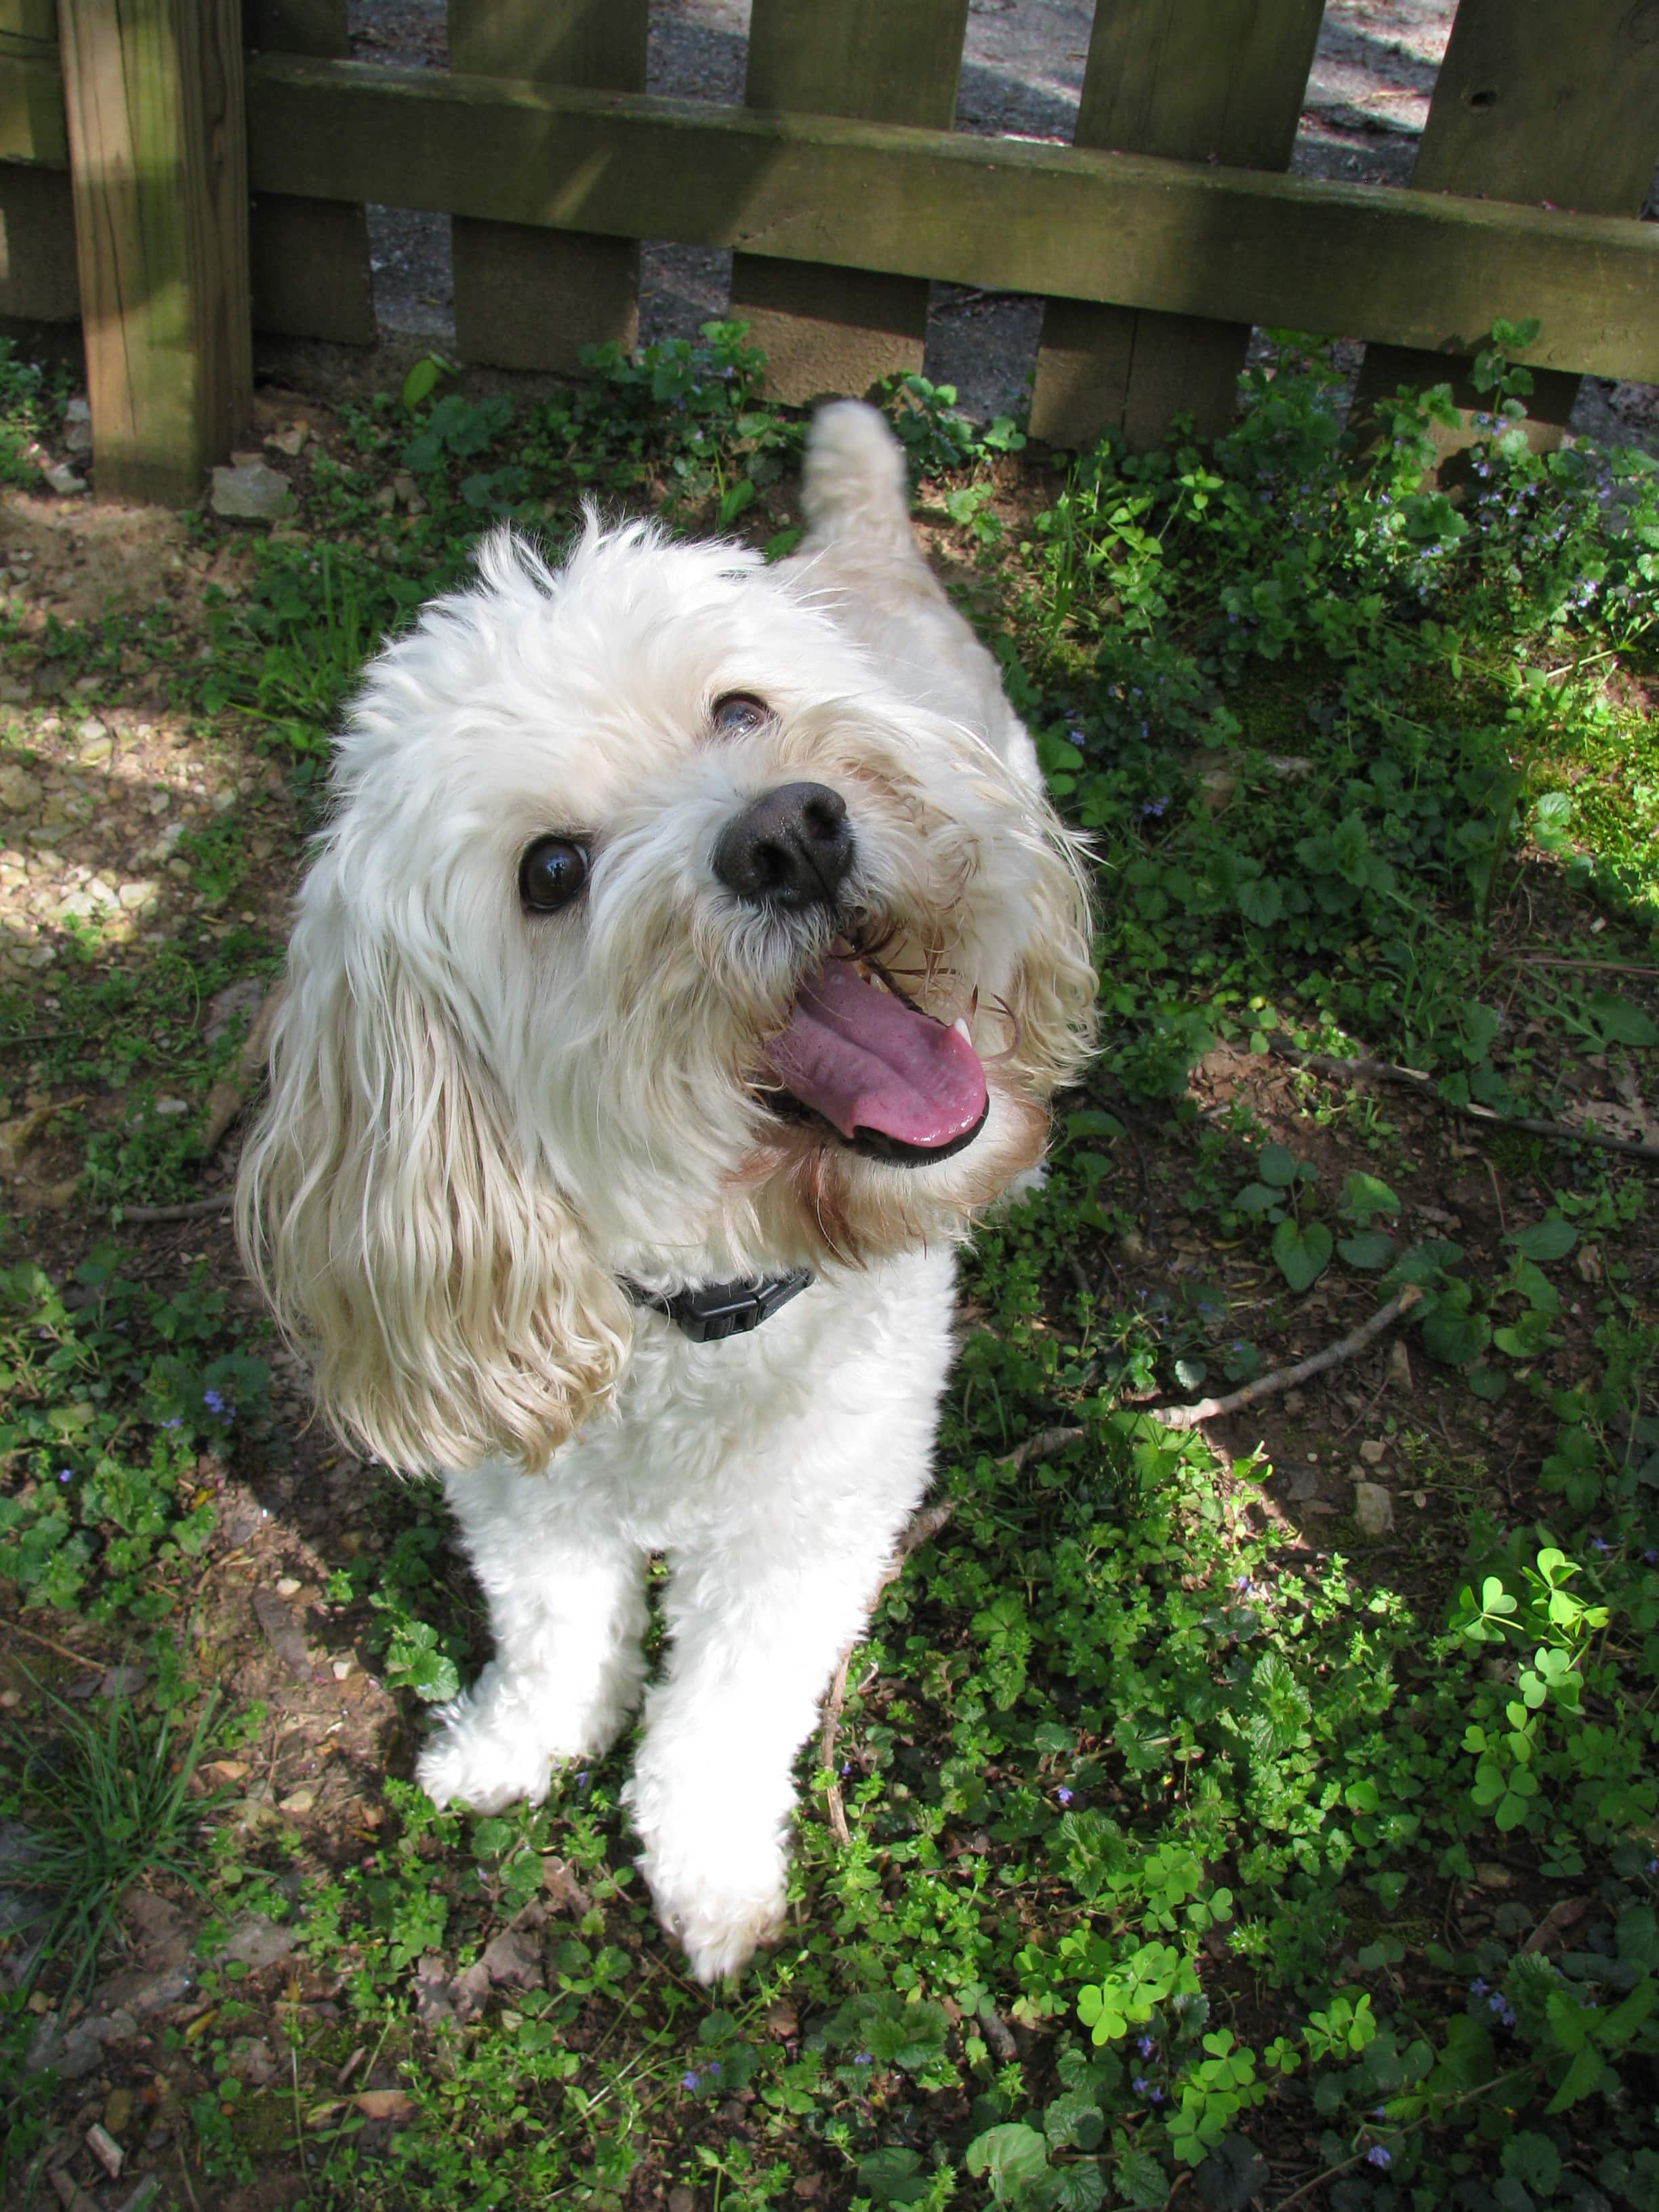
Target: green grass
(1178, 1849)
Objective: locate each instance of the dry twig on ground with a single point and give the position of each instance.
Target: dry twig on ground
(1484, 1117)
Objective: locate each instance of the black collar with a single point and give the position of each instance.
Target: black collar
(715, 1311)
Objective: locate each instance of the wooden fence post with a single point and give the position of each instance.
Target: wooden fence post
(1193, 81)
(826, 330)
(1537, 99)
(309, 257)
(525, 298)
(158, 162)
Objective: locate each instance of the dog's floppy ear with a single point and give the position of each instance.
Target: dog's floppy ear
(1055, 987)
(445, 1292)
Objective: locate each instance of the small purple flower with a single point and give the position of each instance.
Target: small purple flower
(1153, 807)
(1064, 1794)
(1600, 1544)
(860, 2058)
(688, 2080)
(66, 1474)
(1144, 2046)
(1157, 2097)
(1477, 1987)
(214, 1402)
(174, 1421)
(1140, 2085)
(1377, 2156)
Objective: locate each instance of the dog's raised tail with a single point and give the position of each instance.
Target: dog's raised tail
(855, 484)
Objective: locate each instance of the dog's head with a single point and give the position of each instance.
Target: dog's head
(654, 937)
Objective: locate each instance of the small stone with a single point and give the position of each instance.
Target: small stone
(180, 869)
(298, 1801)
(1491, 1875)
(1373, 1451)
(171, 1106)
(118, 2111)
(251, 492)
(134, 896)
(107, 2152)
(1373, 1510)
(256, 1941)
(253, 2061)
(19, 790)
(1400, 1366)
(344, 1669)
(682, 2200)
(385, 499)
(94, 745)
(62, 479)
(1295, 1402)
(288, 1585)
(12, 692)
(290, 441)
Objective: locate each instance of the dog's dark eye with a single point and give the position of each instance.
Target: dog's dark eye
(739, 714)
(552, 874)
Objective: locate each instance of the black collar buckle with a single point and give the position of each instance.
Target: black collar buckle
(717, 1311)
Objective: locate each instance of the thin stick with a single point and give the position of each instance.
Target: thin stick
(191, 1210)
(923, 1527)
(63, 1650)
(1413, 1079)
(1611, 967)
(1287, 1378)
(1045, 1440)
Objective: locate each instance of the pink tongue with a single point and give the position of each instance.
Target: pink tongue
(865, 1061)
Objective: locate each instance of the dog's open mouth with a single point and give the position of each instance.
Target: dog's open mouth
(885, 1077)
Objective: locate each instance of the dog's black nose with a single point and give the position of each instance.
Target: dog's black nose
(793, 848)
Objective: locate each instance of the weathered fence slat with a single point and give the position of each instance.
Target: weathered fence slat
(831, 330)
(153, 95)
(308, 258)
(524, 300)
(1194, 80)
(1238, 245)
(1550, 101)
(37, 215)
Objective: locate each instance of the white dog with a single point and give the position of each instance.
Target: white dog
(692, 947)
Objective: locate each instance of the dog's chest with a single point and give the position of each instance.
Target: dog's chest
(712, 1435)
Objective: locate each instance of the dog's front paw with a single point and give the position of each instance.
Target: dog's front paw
(491, 1747)
(720, 1926)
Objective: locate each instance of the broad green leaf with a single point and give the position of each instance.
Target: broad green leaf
(1619, 1022)
(1277, 1165)
(1364, 1196)
(1303, 1255)
(1372, 1249)
(1456, 1338)
(1012, 2157)
(1261, 901)
(1551, 1238)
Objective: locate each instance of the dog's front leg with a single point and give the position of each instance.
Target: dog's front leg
(568, 1614)
(755, 1641)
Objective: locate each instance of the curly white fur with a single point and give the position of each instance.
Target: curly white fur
(481, 1123)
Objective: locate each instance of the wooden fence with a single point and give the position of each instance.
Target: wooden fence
(1158, 237)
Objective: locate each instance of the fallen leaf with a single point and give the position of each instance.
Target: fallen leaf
(384, 2104)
